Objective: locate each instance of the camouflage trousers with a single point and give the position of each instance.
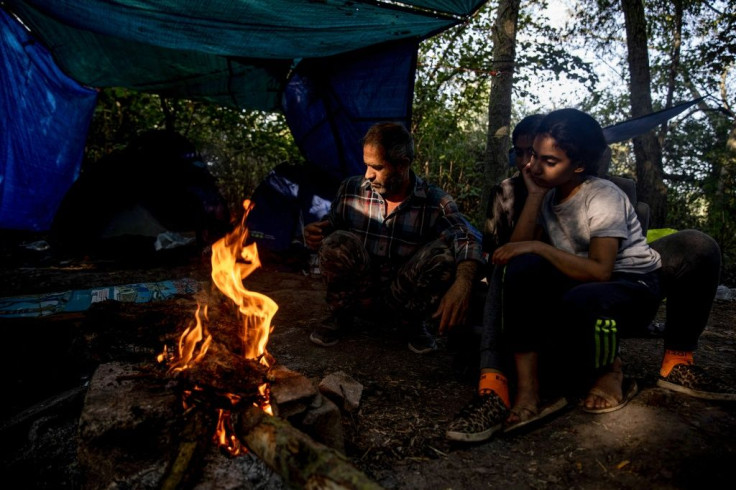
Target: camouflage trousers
(355, 282)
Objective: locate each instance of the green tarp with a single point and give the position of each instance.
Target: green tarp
(230, 52)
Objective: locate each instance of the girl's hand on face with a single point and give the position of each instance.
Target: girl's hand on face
(529, 181)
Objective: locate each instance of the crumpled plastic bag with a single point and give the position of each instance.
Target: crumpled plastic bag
(169, 239)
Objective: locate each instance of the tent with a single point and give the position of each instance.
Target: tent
(142, 199)
(332, 67)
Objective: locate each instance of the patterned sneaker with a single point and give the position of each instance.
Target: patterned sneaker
(421, 341)
(694, 381)
(479, 419)
(329, 332)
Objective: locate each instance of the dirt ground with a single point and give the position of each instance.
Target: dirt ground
(660, 440)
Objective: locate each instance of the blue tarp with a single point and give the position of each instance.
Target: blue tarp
(223, 51)
(288, 198)
(44, 117)
(632, 128)
(330, 103)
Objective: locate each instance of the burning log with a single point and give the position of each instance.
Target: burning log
(134, 431)
(223, 374)
(237, 377)
(298, 459)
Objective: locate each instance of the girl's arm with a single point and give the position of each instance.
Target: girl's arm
(597, 266)
(527, 227)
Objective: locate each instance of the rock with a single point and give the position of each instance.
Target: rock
(724, 293)
(342, 389)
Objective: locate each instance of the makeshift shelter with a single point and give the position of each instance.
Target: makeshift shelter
(332, 67)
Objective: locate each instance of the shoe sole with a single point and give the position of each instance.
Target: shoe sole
(426, 350)
(630, 389)
(706, 395)
(321, 342)
(477, 437)
(544, 412)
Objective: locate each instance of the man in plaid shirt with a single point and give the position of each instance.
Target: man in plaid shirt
(395, 247)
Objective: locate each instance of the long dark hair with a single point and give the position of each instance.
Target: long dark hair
(578, 134)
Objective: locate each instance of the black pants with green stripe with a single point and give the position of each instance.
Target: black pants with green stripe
(581, 322)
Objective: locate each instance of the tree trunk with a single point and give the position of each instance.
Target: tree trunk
(499, 106)
(650, 186)
(674, 68)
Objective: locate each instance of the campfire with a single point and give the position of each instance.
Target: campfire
(216, 399)
(228, 376)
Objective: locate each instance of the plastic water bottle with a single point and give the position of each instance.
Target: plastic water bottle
(314, 265)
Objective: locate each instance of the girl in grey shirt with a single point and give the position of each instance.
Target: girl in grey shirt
(573, 296)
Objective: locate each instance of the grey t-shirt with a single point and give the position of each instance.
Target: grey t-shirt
(599, 209)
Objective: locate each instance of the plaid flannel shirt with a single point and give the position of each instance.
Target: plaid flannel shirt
(427, 214)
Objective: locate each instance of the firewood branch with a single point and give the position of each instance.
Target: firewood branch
(301, 461)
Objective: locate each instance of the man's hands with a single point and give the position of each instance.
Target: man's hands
(314, 233)
(454, 305)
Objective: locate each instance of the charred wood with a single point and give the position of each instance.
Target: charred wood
(185, 468)
(223, 378)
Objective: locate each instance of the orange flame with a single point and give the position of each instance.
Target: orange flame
(193, 344)
(232, 262)
(224, 436)
(228, 273)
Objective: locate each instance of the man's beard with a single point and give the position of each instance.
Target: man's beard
(391, 186)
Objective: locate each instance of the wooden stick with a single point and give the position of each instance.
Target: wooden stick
(186, 465)
(299, 460)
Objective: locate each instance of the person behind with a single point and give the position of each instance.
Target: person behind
(508, 197)
(394, 246)
(691, 268)
(488, 410)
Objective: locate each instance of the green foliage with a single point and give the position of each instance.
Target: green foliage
(450, 109)
(452, 91)
(543, 55)
(702, 178)
(241, 147)
(119, 116)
